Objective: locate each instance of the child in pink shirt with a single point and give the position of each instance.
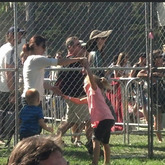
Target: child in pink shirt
(102, 119)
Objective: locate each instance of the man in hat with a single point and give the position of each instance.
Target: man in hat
(7, 78)
(71, 84)
(94, 46)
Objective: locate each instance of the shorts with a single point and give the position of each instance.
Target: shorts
(77, 113)
(103, 131)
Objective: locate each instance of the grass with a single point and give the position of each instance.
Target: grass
(134, 153)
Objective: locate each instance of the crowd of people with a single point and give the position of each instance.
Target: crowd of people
(84, 92)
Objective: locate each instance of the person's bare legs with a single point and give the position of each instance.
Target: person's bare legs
(96, 152)
(158, 125)
(106, 149)
(88, 130)
(77, 128)
(63, 127)
(74, 129)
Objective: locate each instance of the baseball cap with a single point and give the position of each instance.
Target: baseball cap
(83, 44)
(11, 30)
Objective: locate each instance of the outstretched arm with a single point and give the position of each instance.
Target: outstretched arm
(67, 61)
(44, 126)
(90, 74)
(142, 73)
(76, 100)
(55, 89)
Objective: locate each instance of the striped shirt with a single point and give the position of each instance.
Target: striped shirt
(30, 116)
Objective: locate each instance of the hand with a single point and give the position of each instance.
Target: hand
(56, 91)
(65, 97)
(82, 59)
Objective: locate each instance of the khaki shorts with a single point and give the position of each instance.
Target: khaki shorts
(77, 113)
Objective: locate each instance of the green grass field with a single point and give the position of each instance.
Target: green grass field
(134, 153)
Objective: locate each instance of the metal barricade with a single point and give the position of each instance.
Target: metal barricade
(127, 97)
(136, 101)
(54, 107)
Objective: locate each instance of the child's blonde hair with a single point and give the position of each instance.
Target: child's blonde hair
(102, 82)
(32, 96)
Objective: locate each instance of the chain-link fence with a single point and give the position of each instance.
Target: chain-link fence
(136, 29)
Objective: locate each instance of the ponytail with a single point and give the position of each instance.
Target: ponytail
(26, 48)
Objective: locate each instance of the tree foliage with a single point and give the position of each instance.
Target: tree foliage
(58, 20)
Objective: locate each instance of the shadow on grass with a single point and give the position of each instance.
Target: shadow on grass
(80, 153)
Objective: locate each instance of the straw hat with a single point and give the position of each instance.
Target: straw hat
(94, 35)
(99, 34)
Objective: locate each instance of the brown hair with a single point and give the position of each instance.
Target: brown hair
(26, 48)
(25, 51)
(35, 40)
(32, 96)
(31, 150)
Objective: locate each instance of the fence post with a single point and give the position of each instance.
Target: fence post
(150, 99)
(16, 74)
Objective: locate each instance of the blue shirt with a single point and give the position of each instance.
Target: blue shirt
(30, 116)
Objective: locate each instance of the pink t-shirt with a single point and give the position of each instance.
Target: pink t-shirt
(98, 108)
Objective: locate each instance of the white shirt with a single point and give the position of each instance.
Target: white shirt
(33, 72)
(7, 56)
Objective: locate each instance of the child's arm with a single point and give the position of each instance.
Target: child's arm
(76, 100)
(90, 75)
(44, 126)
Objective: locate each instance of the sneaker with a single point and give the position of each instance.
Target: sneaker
(78, 143)
(89, 146)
